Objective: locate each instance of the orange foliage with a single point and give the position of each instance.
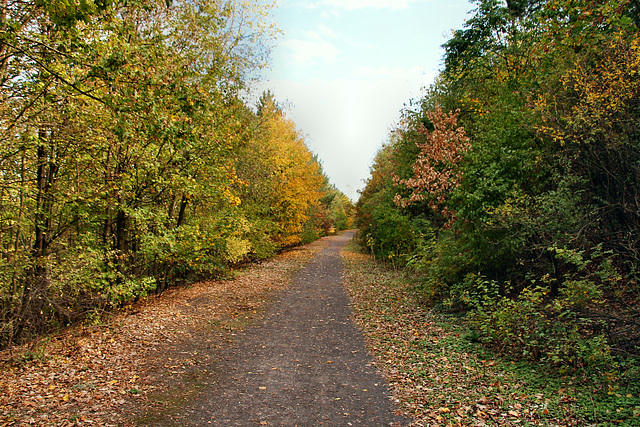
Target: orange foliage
(435, 174)
(292, 178)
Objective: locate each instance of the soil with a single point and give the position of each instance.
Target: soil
(273, 345)
(304, 364)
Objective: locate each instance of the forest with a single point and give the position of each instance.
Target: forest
(508, 194)
(130, 160)
(509, 191)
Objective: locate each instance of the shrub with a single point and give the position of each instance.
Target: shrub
(530, 328)
(391, 236)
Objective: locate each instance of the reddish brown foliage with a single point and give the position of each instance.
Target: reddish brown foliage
(435, 174)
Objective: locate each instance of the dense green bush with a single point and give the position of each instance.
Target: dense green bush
(542, 332)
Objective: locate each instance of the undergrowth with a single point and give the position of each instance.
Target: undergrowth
(442, 373)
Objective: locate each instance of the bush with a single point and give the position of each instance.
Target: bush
(391, 236)
(558, 329)
(531, 328)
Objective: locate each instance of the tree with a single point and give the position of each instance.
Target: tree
(546, 201)
(119, 122)
(283, 179)
(434, 170)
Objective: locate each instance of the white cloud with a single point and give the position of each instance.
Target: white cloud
(309, 52)
(317, 46)
(412, 74)
(323, 32)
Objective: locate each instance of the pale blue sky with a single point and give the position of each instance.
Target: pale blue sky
(345, 68)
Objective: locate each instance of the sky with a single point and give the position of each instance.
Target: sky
(344, 69)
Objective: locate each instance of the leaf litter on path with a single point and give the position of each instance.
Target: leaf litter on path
(134, 363)
(435, 381)
(122, 372)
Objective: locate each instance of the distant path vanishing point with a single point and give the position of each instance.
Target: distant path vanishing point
(304, 364)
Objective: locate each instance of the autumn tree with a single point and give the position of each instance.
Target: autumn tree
(545, 202)
(591, 116)
(283, 180)
(434, 171)
(120, 126)
(42, 93)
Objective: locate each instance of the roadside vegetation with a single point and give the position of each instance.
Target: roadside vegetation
(130, 160)
(147, 360)
(509, 194)
(442, 375)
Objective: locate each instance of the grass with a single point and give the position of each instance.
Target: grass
(441, 375)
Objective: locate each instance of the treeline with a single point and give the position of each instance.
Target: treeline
(511, 189)
(129, 160)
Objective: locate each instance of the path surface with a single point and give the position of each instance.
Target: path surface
(305, 364)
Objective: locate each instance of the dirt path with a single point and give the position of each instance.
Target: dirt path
(272, 345)
(304, 364)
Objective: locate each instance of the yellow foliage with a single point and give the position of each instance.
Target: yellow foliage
(236, 249)
(601, 93)
(283, 174)
(607, 91)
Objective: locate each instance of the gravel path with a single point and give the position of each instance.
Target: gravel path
(305, 364)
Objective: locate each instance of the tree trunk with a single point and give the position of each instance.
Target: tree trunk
(35, 287)
(4, 50)
(183, 208)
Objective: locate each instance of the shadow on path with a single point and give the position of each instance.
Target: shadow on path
(305, 364)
